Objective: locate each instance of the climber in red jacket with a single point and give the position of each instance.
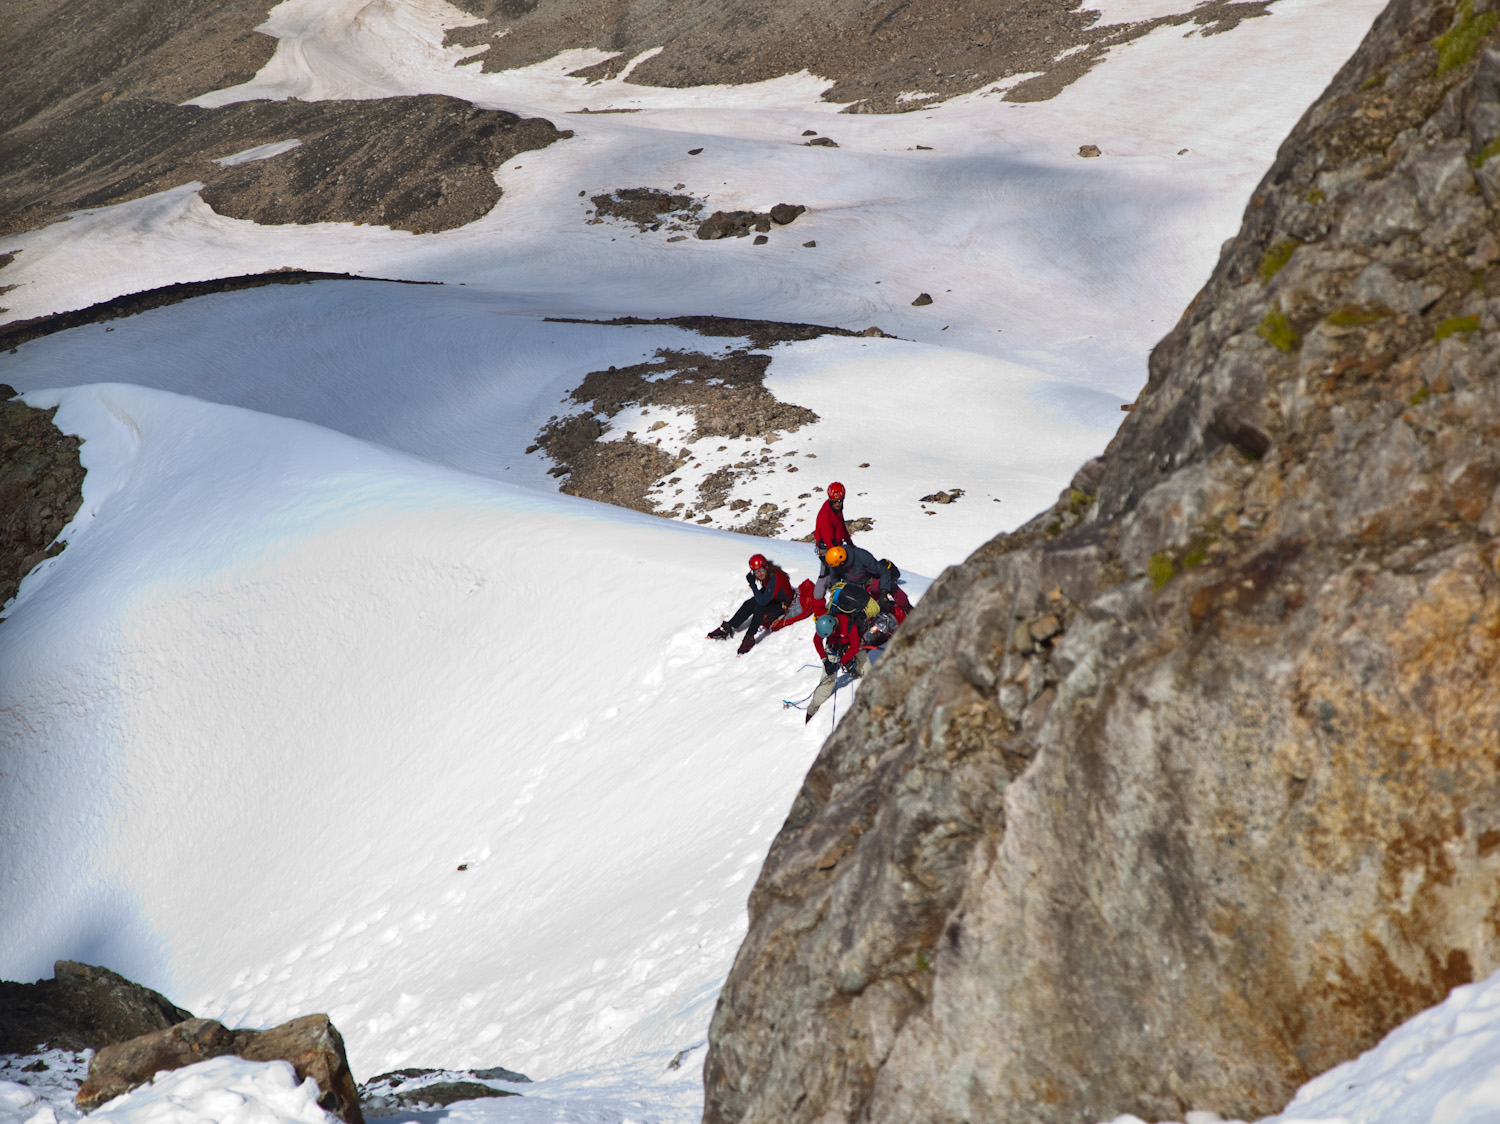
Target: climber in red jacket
(830, 529)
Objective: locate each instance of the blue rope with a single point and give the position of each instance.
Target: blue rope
(796, 704)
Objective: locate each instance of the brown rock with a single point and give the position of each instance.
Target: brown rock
(117, 1069)
(1044, 628)
(1235, 819)
(316, 1049)
(1087, 150)
(922, 299)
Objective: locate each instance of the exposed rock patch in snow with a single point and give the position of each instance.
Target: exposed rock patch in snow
(647, 208)
(699, 396)
(41, 482)
(422, 163)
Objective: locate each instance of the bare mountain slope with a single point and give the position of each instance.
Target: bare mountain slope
(92, 116)
(886, 57)
(1190, 789)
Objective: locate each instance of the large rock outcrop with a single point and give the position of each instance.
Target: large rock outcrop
(1190, 789)
(81, 1008)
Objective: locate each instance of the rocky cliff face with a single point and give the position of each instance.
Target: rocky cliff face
(1190, 789)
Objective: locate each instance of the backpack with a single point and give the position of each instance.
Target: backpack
(879, 630)
(848, 598)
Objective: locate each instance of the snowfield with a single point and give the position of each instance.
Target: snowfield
(334, 703)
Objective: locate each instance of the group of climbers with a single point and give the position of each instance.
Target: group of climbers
(856, 600)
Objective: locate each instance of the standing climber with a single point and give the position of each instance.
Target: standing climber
(830, 529)
(770, 594)
(828, 532)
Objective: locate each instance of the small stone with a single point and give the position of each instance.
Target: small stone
(694, 151)
(1044, 628)
(761, 240)
(922, 299)
(1484, 253)
(1087, 150)
(809, 132)
(808, 245)
(821, 142)
(783, 213)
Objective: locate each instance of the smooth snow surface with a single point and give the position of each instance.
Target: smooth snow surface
(324, 633)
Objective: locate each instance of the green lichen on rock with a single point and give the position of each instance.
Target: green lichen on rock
(1455, 324)
(1457, 45)
(1354, 316)
(1276, 330)
(1160, 570)
(1422, 394)
(1197, 554)
(1276, 256)
(1487, 152)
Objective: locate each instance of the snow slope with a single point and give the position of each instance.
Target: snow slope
(324, 633)
(290, 678)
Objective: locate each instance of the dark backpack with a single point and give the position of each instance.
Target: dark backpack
(847, 598)
(879, 630)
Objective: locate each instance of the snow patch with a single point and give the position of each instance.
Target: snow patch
(259, 152)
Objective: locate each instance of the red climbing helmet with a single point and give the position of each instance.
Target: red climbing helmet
(835, 491)
(758, 562)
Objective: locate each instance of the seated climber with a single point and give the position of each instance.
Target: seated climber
(770, 595)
